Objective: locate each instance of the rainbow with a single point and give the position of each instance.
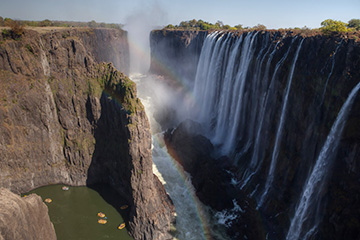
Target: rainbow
(200, 212)
(172, 78)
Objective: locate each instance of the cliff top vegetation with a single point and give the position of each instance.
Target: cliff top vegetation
(49, 23)
(327, 26)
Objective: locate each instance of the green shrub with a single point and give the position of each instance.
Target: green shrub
(354, 23)
(6, 33)
(330, 26)
(45, 23)
(29, 48)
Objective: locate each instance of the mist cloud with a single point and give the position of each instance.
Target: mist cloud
(146, 17)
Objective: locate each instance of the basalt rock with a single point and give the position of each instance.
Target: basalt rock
(65, 117)
(24, 217)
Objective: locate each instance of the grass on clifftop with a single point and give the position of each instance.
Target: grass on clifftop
(119, 87)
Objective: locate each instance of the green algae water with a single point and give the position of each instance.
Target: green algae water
(74, 212)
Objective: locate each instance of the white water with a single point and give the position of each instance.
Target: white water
(305, 215)
(220, 83)
(275, 153)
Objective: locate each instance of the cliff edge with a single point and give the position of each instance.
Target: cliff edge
(66, 117)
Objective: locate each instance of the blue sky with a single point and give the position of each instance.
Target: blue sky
(271, 13)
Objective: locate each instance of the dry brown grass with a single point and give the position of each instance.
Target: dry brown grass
(43, 30)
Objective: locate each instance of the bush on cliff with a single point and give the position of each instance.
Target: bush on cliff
(16, 29)
(330, 26)
(354, 23)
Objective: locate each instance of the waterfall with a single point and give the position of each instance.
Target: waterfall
(250, 171)
(225, 95)
(304, 217)
(331, 71)
(220, 85)
(238, 103)
(275, 153)
(204, 88)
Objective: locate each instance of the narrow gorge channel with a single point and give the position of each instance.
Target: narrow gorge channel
(194, 220)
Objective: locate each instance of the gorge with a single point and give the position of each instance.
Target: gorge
(281, 110)
(264, 123)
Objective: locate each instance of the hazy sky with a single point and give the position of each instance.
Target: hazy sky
(271, 13)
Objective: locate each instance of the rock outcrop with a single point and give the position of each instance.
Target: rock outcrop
(24, 217)
(65, 117)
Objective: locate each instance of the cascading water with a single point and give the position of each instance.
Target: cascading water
(260, 99)
(275, 153)
(331, 71)
(304, 222)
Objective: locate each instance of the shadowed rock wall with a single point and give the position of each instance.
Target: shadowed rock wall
(67, 118)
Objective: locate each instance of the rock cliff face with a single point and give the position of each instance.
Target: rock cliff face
(67, 118)
(327, 69)
(24, 218)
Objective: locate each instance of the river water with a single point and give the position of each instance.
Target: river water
(74, 212)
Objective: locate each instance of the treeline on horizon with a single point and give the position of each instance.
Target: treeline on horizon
(328, 26)
(49, 23)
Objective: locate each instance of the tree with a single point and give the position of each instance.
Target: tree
(239, 26)
(219, 24)
(354, 23)
(92, 24)
(170, 26)
(45, 23)
(260, 27)
(193, 23)
(1, 21)
(330, 26)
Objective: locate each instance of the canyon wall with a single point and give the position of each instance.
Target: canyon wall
(286, 92)
(66, 117)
